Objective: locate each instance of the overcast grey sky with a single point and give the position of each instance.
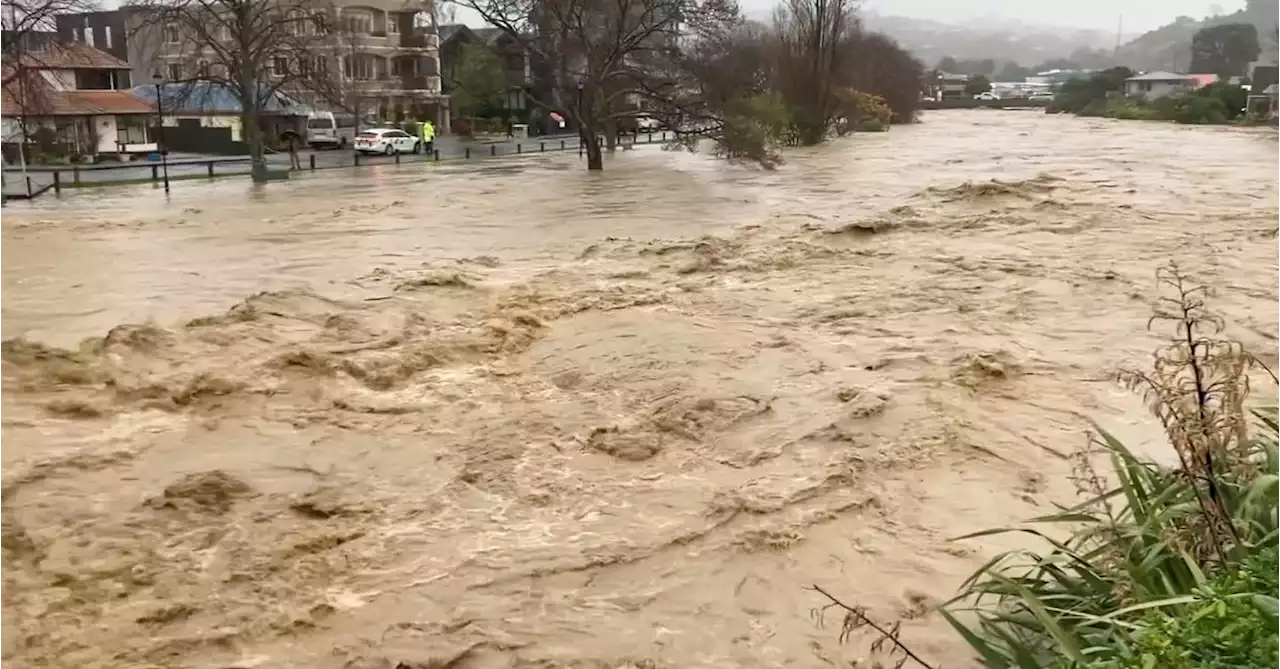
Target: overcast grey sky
(1139, 15)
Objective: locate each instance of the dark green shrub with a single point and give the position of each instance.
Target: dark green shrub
(1231, 626)
(1199, 110)
(1234, 98)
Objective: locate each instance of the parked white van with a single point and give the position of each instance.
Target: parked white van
(330, 130)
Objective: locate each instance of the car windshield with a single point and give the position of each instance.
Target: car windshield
(319, 124)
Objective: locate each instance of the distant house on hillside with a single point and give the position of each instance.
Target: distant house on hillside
(1159, 84)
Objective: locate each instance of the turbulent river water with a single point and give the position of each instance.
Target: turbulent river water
(513, 414)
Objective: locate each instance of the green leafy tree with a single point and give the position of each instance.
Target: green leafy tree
(478, 81)
(1225, 50)
(978, 84)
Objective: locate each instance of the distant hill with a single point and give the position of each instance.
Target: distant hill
(1169, 47)
(999, 40)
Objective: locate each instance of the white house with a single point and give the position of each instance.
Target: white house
(1159, 84)
(66, 94)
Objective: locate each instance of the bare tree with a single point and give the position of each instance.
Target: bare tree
(254, 49)
(809, 35)
(25, 26)
(599, 58)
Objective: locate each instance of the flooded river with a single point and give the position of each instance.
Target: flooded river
(512, 414)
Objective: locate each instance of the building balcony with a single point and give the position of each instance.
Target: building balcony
(408, 41)
(420, 82)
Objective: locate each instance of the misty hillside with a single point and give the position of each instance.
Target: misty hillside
(1169, 47)
(1000, 40)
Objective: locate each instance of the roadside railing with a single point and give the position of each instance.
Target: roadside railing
(82, 176)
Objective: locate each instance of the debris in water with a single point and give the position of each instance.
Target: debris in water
(974, 370)
(625, 444)
(213, 491)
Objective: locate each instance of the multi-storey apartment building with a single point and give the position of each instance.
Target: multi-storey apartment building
(386, 59)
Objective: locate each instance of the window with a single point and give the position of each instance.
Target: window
(393, 24)
(224, 33)
(357, 68)
(171, 33)
(202, 69)
(108, 35)
(132, 130)
(321, 23)
(279, 66)
(359, 23)
(88, 36)
(77, 35)
(175, 72)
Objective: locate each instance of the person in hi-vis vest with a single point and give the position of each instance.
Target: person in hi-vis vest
(428, 137)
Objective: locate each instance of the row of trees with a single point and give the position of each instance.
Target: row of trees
(708, 73)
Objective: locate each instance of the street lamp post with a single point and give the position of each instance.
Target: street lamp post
(580, 116)
(164, 151)
(582, 134)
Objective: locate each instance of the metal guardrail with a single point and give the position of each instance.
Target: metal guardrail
(72, 176)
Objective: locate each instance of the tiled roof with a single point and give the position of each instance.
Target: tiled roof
(106, 102)
(72, 56)
(35, 97)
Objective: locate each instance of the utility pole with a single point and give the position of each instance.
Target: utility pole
(1119, 36)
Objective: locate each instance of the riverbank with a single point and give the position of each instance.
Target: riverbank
(531, 415)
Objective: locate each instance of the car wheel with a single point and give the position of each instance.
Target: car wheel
(388, 149)
(417, 147)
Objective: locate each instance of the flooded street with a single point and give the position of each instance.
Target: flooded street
(512, 414)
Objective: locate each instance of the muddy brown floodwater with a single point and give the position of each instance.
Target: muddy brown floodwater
(518, 415)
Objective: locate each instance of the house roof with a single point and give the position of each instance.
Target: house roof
(1203, 80)
(207, 97)
(71, 56)
(1161, 76)
(76, 103)
(449, 31)
(488, 34)
(28, 92)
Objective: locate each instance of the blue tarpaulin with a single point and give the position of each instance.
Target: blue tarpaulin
(212, 98)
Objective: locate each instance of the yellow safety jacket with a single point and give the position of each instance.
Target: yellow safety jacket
(428, 131)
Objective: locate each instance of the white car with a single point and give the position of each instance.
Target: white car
(647, 123)
(387, 141)
(986, 96)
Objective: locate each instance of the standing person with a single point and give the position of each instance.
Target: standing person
(294, 162)
(428, 137)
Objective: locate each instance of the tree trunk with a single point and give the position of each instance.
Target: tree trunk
(611, 135)
(591, 143)
(253, 138)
